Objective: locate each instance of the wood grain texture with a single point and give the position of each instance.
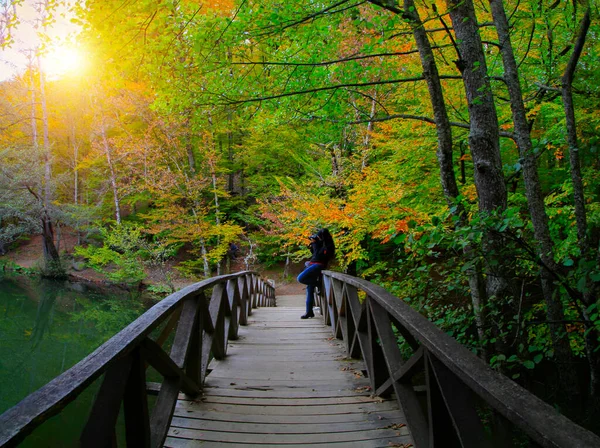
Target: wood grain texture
(286, 382)
(213, 324)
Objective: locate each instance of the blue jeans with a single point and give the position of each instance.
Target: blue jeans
(310, 277)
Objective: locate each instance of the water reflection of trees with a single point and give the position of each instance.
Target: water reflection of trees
(49, 291)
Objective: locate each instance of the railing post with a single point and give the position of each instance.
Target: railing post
(233, 297)
(217, 314)
(194, 367)
(100, 428)
(261, 292)
(242, 282)
(456, 408)
(325, 297)
(253, 300)
(335, 304)
(386, 364)
(135, 404)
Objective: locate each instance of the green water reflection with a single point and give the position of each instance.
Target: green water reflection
(45, 328)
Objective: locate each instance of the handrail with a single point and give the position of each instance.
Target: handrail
(204, 327)
(456, 380)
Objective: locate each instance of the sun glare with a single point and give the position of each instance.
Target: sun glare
(61, 61)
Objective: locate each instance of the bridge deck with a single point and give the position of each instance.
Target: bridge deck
(287, 382)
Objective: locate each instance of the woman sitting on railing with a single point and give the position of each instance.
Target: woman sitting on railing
(323, 251)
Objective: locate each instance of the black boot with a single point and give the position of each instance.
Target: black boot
(308, 315)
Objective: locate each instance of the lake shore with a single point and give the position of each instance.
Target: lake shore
(28, 255)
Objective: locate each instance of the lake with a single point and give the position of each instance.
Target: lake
(46, 327)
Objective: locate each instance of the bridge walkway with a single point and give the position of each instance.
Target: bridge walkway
(287, 382)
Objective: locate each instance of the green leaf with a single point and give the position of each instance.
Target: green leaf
(529, 365)
(537, 358)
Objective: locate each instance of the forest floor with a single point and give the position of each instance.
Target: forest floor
(28, 254)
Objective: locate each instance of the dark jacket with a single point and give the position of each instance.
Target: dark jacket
(319, 252)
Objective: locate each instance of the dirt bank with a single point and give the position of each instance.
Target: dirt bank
(28, 254)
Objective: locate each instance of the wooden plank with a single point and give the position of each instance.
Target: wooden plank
(269, 392)
(285, 428)
(283, 375)
(321, 384)
(277, 354)
(174, 442)
(262, 401)
(280, 381)
(266, 392)
(382, 416)
(270, 364)
(266, 439)
(282, 409)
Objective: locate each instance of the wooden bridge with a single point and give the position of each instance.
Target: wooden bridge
(371, 372)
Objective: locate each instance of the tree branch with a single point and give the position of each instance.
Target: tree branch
(390, 5)
(325, 63)
(320, 89)
(304, 19)
(567, 78)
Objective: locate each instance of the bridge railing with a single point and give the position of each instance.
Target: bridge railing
(459, 387)
(202, 323)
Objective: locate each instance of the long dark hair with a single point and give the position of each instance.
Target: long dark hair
(328, 243)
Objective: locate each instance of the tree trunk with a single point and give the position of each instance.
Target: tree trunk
(51, 256)
(34, 135)
(50, 253)
(445, 159)
(231, 174)
(483, 139)
(205, 258)
(286, 268)
(535, 201)
(367, 140)
(45, 133)
(567, 97)
(444, 150)
(75, 168)
(591, 339)
(113, 178)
